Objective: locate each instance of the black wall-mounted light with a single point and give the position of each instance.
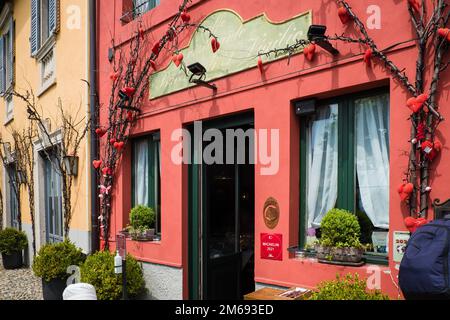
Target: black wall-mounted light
(316, 34)
(199, 71)
(305, 107)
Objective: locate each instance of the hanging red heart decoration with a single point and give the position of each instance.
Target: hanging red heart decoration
(215, 45)
(310, 51)
(431, 149)
(97, 163)
(260, 65)
(114, 76)
(444, 33)
(141, 33)
(405, 190)
(129, 91)
(156, 48)
(415, 104)
(344, 15)
(413, 224)
(100, 132)
(368, 57)
(106, 171)
(415, 5)
(153, 64)
(112, 140)
(118, 145)
(185, 16)
(130, 116)
(177, 59)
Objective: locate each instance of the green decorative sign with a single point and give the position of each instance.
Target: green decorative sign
(240, 42)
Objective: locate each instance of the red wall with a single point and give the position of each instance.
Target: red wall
(271, 98)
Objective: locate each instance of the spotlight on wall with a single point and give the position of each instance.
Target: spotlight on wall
(199, 71)
(316, 34)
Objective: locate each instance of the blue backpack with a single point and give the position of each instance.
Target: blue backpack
(424, 270)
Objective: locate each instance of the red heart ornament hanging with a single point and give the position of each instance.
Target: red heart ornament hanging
(114, 76)
(153, 64)
(415, 5)
(177, 59)
(344, 15)
(185, 17)
(130, 116)
(142, 33)
(156, 48)
(310, 51)
(129, 91)
(368, 57)
(260, 65)
(118, 145)
(112, 141)
(413, 224)
(215, 45)
(429, 149)
(107, 171)
(444, 32)
(415, 104)
(405, 190)
(97, 163)
(100, 132)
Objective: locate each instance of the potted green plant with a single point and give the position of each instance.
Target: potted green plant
(339, 242)
(51, 265)
(349, 287)
(98, 270)
(142, 223)
(12, 243)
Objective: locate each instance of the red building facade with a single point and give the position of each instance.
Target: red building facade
(213, 222)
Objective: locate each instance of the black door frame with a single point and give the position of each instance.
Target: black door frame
(196, 230)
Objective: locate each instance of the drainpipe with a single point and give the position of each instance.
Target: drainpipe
(95, 239)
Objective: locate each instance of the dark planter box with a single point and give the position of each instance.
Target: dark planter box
(339, 255)
(12, 261)
(54, 289)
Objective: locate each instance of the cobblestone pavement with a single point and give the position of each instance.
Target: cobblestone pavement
(20, 284)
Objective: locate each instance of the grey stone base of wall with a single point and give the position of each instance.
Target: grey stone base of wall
(79, 237)
(163, 282)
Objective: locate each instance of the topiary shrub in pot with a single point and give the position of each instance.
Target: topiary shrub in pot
(349, 287)
(12, 243)
(98, 270)
(142, 223)
(51, 265)
(340, 238)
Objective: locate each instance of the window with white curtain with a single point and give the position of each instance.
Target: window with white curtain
(345, 164)
(142, 6)
(146, 173)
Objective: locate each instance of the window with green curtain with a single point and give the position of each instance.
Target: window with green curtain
(344, 163)
(146, 174)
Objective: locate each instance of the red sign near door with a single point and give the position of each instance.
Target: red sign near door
(271, 246)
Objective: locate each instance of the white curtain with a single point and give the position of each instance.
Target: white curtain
(372, 157)
(141, 167)
(322, 167)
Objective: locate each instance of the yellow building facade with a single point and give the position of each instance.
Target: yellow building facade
(45, 50)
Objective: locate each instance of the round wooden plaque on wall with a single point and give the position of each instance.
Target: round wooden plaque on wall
(271, 213)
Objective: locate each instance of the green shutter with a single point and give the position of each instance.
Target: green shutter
(346, 156)
(303, 180)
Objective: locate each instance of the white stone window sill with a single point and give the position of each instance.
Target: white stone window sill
(46, 87)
